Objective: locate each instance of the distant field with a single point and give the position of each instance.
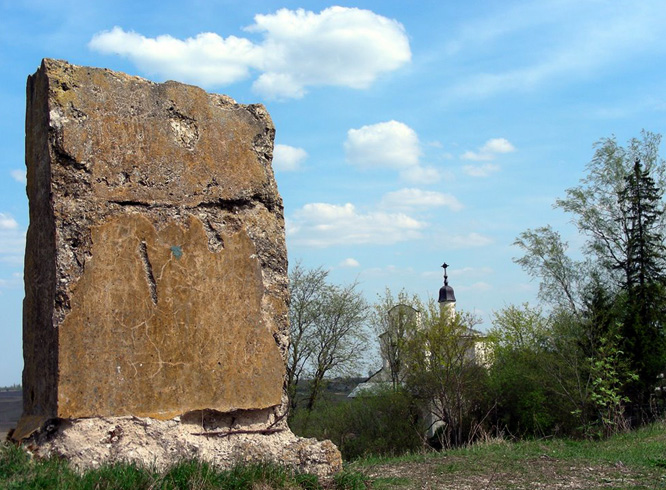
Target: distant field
(11, 406)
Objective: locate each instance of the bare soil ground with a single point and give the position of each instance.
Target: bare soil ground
(538, 473)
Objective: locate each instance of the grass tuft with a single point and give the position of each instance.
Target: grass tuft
(350, 480)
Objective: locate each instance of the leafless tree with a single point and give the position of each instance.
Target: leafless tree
(327, 324)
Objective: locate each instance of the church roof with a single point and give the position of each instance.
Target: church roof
(446, 294)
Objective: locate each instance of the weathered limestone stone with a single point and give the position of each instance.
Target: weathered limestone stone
(156, 266)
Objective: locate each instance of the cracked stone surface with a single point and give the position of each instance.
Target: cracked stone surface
(155, 273)
(156, 262)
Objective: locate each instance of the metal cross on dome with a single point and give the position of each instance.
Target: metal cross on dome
(446, 278)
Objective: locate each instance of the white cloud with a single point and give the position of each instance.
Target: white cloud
(288, 158)
(406, 199)
(12, 241)
(466, 241)
(324, 225)
(390, 144)
(489, 150)
(497, 145)
(7, 222)
(350, 262)
(481, 170)
(18, 175)
(206, 59)
(339, 46)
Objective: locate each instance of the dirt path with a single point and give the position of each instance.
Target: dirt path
(540, 473)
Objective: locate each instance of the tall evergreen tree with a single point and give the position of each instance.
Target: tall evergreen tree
(621, 286)
(644, 270)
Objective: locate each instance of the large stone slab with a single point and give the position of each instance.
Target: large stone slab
(155, 320)
(156, 267)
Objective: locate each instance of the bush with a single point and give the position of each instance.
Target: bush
(386, 423)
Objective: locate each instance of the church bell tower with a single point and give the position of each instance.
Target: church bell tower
(447, 298)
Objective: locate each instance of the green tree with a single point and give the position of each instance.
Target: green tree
(609, 375)
(643, 327)
(444, 372)
(619, 208)
(545, 258)
(524, 375)
(595, 204)
(391, 320)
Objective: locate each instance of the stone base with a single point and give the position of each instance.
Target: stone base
(91, 442)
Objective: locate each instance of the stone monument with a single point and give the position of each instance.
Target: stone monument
(155, 322)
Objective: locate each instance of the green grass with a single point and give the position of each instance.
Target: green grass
(639, 457)
(644, 447)
(633, 460)
(19, 471)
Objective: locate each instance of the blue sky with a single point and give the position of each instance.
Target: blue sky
(408, 133)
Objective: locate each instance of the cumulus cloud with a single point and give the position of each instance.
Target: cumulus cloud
(206, 59)
(324, 225)
(350, 262)
(338, 46)
(390, 144)
(481, 170)
(288, 158)
(489, 150)
(18, 175)
(407, 199)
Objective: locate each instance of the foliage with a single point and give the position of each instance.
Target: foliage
(545, 257)
(350, 480)
(619, 287)
(391, 320)
(645, 276)
(548, 368)
(442, 370)
(594, 203)
(327, 328)
(385, 422)
(609, 375)
(530, 377)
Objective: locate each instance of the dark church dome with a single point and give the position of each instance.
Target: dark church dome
(446, 294)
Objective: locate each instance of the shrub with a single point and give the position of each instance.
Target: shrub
(382, 423)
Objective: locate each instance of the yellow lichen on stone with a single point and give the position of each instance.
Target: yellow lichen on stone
(160, 325)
